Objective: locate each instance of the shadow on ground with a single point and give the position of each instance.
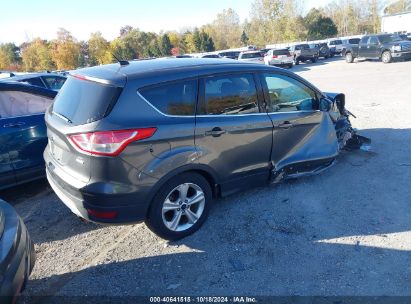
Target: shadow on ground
(343, 232)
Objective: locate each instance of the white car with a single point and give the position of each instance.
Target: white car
(279, 57)
(336, 46)
(251, 56)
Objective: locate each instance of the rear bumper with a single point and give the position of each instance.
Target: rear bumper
(128, 207)
(17, 256)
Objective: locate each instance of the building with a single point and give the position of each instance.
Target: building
(397, 23)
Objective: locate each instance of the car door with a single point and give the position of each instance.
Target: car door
(7, 177)
(25, 131)
(232, 136)
(302, 134)
(363, 47)
(373, 47)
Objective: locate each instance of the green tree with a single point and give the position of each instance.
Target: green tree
(244, 39)
(65, 51)
(165, 45)
(36, 56)
(319, 26)
(9, 59)
(97, 49)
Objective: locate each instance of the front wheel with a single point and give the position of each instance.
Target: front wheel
(386, 57)
(349, 58)
(314, 59)
(180, 207)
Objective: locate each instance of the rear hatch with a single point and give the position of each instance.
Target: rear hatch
(81, 103)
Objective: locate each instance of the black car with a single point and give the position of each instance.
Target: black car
(384, 47)
(17, 255)
(157, 140)
(23, 134)
(51, 81)
(349, 43)
(230, 54)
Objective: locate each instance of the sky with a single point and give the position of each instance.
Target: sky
(27, 19)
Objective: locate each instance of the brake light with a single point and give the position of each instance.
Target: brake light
(109, 143)
(275, 56)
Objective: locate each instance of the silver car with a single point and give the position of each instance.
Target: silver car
(251, 56)
(279, 57)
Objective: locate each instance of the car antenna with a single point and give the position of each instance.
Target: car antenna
(122, 62)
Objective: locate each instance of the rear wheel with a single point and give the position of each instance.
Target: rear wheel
(349, 58)
(296, 61)
(314, 60)
(180, 207)
(386, 57)
(290, 65)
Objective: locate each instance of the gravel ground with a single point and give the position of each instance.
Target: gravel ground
(344, 232)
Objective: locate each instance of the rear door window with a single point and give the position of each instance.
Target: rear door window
(81, 101)
(177, 98)
(230, 95)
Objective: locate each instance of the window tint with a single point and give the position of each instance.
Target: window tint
(34, 81)
(177, 98)
(251, 55)
(287, 94)
(230, 95)
(364, 40)
(54, 83)
(354, 40)
(15, 103)
(83, 101)
(281, 52)
(373, 40)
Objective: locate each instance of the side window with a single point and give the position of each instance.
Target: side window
(15, 103)
(230, 95)
(34, 81)
(54, 83)
(177, 98)
(373, 40)
(287, 94)
(364, 40)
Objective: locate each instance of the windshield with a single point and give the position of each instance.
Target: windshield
(389, 38)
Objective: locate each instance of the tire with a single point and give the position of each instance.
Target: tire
(296, 61)
(290, 66)
(349, 57)
(172, 222)
(386, 57)
(314, 60)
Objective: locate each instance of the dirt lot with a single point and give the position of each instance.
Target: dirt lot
(344, 232)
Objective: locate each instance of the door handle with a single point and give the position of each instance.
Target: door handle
(285, 125)
(215, 132)
(14, 125)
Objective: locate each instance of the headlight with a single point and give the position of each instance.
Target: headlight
(396, 48)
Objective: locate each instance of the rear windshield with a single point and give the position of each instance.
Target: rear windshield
(354, 41)
(281, 52)
(82, 101)
(251, 55)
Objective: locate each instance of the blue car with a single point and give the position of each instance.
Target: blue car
(23, 135)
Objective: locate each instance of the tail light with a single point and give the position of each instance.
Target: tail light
(109, 143)
(275, 56)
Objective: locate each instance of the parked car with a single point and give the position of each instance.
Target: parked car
(51, 81)
(385, 47)
(349, 43)
(209, 56)
(23, 132)
(279, 57)
(335, 46)
(230, 54)
(203, 129)
(251, 56)
(183, 56)
(303, 52)
(323, 50)
(17, 255)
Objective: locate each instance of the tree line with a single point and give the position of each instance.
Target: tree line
(270, 21)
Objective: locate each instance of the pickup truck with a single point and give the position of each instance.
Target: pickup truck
(385, 47)
(303, 52)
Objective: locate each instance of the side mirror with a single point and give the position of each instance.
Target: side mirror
(325, 104)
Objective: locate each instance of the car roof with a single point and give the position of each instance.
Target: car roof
(118, 75)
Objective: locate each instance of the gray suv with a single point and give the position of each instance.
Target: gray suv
(157, 140)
